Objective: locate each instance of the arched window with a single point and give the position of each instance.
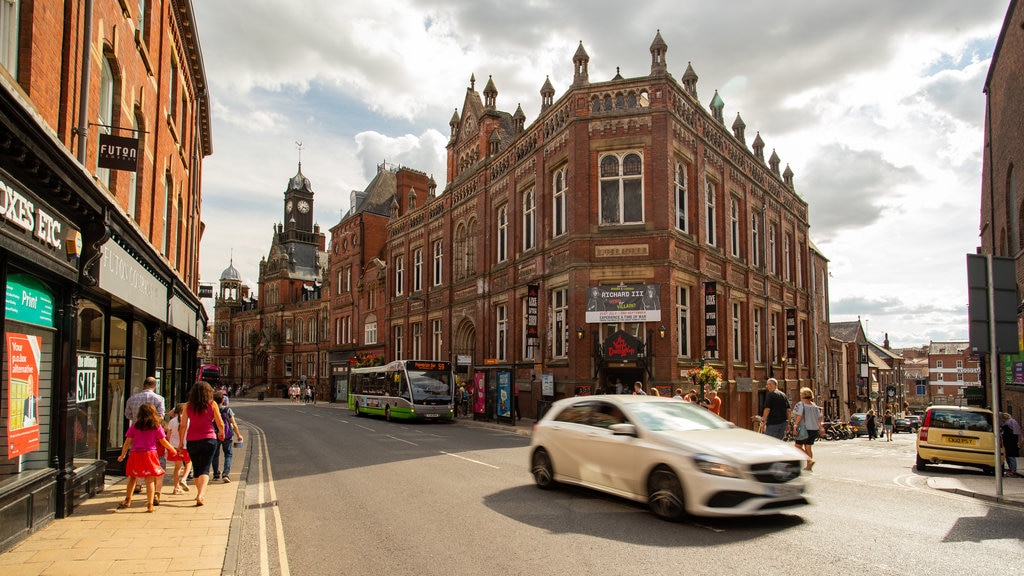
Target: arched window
(621, 185)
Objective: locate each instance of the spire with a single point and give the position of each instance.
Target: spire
(454, 122)
(547, 93)
(758, 147)
(773, 162)
(580, 61)
(787, 176)
(739, 128)
(717, 104)
(690, 80)
(490, 94)
(658, 50)
(519, 118)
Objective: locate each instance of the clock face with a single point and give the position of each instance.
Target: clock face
(303, 206)
(288, 206)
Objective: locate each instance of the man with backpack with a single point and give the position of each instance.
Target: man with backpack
(231, 434)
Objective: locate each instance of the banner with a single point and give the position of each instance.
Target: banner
(118, 153)
(532, 302)
(622, 303)
(23, 355)
(711, 317)
(791, 334)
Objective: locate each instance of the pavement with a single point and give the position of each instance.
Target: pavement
(181, 539)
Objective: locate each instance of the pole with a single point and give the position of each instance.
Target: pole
(993, 365)
(83, 108)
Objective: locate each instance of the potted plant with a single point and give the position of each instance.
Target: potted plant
(706, 376)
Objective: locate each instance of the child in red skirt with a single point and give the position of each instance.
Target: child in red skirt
(182, 462)
(142, 438)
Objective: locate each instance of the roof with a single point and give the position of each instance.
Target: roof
(955, 348)
(845, 331)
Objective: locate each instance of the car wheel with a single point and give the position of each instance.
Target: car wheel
(922, 464)
(665, 495)
(543, 472)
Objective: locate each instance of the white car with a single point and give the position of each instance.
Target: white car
(677, 457)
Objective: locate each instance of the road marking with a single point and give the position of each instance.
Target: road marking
(401, 440)
(368, 429)
(263, 459)
(470, 460)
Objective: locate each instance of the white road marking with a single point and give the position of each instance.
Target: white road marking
(401, 440)
(470, 460)
(263, 457)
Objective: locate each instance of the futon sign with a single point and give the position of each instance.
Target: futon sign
(119, 153)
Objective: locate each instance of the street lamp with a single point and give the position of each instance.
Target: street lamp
(579, 333)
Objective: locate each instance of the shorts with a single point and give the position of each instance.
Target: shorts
(811, 436)
(202, 452)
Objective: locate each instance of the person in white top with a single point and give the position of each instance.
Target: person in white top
(182, 463)
(808, 414)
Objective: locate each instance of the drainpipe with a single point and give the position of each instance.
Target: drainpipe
(83, 107)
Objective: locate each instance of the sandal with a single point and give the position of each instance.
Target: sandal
(199, 501)
(149, 509)
(156, 499)
(177, 491)
(124, 504)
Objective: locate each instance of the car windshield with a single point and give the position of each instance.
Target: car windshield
(663, 416)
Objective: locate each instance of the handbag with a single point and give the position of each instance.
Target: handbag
(801, 432)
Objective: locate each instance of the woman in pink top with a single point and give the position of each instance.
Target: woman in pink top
(204, 429)
(142, 438)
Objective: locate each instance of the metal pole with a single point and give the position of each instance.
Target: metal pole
(993, 363)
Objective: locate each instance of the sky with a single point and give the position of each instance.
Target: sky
(876, 106)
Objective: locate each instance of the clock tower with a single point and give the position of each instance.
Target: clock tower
(298, 204)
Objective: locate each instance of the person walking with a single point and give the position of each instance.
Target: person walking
(807, 421)
(887, 424)
(182, 462)
(714, 402)
(147, 395)
(203, 429)
(638, 389)
(141, 440)
(871, 424)
(225, 446)
(1011, 437)
(777, 412)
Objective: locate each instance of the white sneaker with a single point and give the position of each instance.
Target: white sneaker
(183, 485)
(226, 479)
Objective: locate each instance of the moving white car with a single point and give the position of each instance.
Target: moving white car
(677, 457)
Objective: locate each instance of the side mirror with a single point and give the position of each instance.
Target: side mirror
(623, 429)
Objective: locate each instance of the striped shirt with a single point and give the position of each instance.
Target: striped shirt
(131, 407)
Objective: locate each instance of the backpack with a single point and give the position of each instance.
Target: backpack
(225, 412)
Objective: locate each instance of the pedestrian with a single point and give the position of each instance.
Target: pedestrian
(776, 413)
(225, 446)
(1011, 437)
(182, 462)
(808, 421)
(679, 395)
(887, 423)
(515, 402)
(141, 440)
(872, 425)
(203, 429)
(655, 392)
(638, 389)
(714, 402)
(618, 385)
(147, 395)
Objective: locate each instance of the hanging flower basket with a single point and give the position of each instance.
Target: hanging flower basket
(706, 376)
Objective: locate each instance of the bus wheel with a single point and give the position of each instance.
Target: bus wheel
(387, 413)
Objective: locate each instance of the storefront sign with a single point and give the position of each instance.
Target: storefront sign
(28, 301)
(118, 153)
(88, 377)
(181, 315)
(621, 346)
(23, 355)
(34, 222)
(124, 277)
(624, 303)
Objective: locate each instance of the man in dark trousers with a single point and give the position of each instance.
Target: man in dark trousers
(777, 412)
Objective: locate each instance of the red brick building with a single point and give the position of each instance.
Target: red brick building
(620, 190)
(279, 338)
(101, 235)
(1002, 188)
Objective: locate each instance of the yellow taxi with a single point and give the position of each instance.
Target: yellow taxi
(956, 435)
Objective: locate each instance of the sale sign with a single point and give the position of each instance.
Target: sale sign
(23, 355)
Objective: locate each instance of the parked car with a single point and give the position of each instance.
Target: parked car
(676, 457)
(859, 424)
(956, 435)
(902, 425)
(915, 421)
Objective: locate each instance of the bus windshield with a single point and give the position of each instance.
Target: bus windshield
(430, 386)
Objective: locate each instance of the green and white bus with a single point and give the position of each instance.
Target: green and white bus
(408, 389)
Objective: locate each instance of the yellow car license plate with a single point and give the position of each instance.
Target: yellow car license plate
(961, 440)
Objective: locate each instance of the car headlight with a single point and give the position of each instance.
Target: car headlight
(716, 466)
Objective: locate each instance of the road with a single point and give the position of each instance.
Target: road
(351, 495)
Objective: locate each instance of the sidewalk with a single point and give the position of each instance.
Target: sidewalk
(177, 539)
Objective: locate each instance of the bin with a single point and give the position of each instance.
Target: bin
(259, 396)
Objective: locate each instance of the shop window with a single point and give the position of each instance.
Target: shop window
(116, 376)
(89, 389)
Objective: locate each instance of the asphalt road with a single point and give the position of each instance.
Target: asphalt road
(329, 493)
